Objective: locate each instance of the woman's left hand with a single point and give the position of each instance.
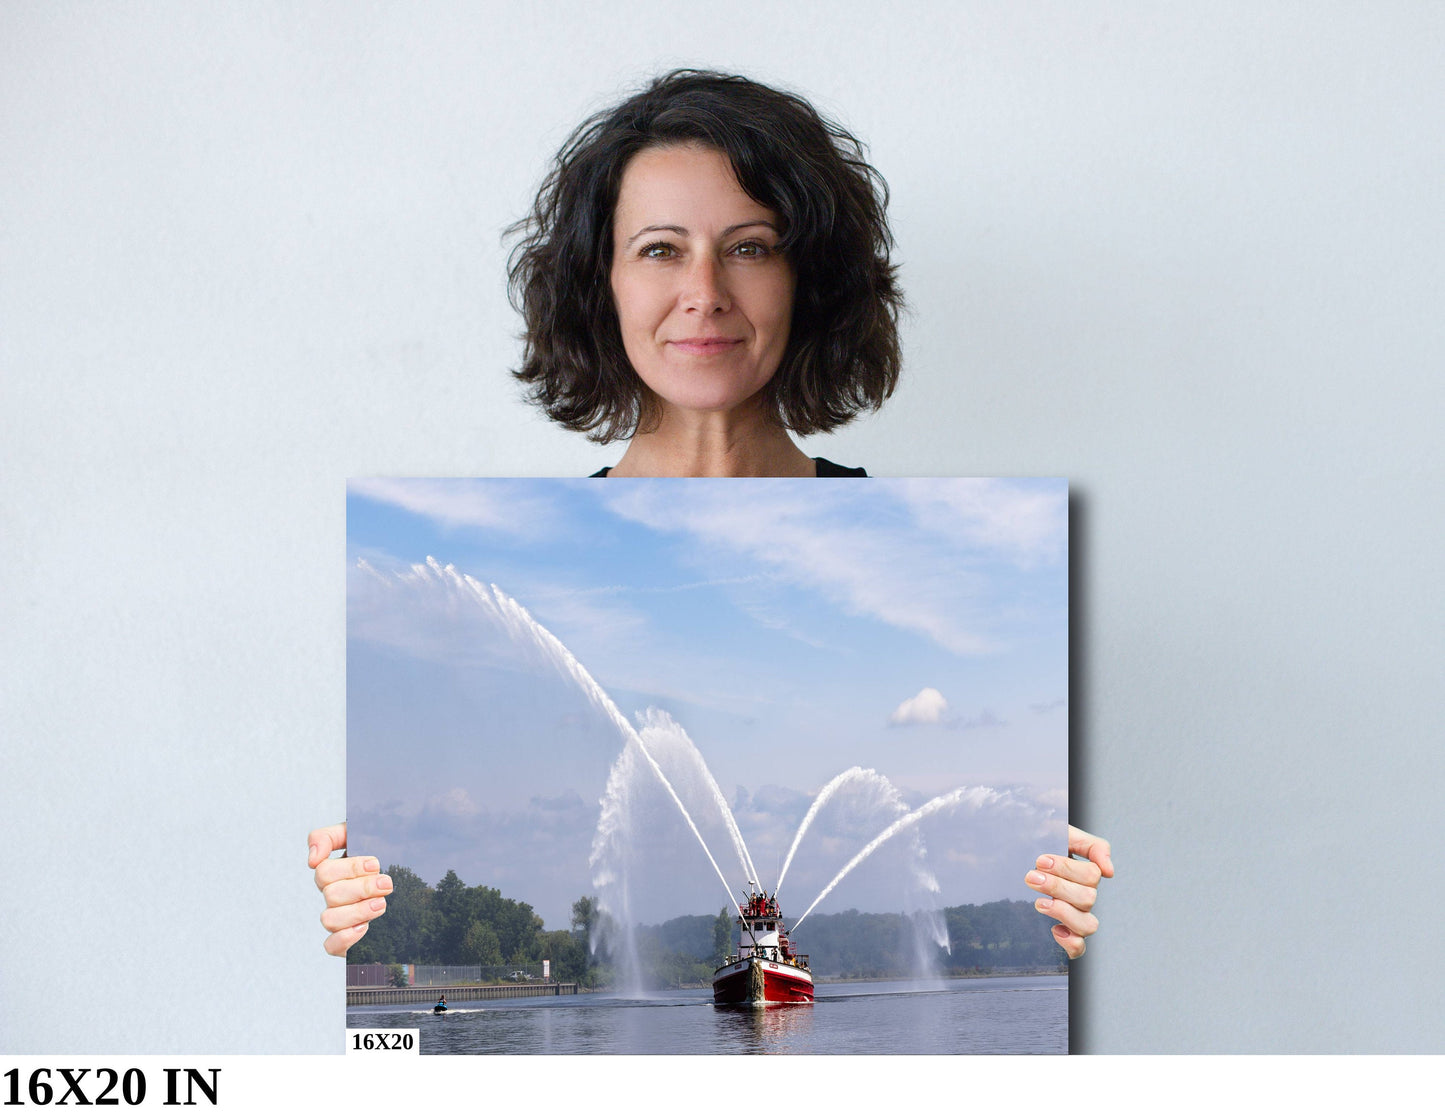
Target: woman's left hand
(355, 888)
(1070, 888)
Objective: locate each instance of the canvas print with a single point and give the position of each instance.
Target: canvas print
(709, 766)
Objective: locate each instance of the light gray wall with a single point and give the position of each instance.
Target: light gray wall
(1188, 256)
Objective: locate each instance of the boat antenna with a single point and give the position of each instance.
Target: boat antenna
(746, 922)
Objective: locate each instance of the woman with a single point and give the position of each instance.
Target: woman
(705, 273)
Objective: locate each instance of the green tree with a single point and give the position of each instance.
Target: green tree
(722, 937)
(451, 904)
(585, 913)
(480, 946)
(409, 919)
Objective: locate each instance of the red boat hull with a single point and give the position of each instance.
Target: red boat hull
(782, 984)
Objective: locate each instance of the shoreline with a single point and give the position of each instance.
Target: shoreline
(1061, 971)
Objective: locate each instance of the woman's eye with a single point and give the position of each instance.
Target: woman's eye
(657, 251)
(751, 249)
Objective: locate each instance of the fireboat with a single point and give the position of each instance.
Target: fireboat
(765, 970)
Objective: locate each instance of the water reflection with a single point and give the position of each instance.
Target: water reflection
(760, 1029)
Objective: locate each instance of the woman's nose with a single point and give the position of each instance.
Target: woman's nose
(705, 287)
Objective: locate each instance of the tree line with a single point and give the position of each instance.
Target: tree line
(1001, 935)
(457, 924)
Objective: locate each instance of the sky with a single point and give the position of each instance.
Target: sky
(707, 642)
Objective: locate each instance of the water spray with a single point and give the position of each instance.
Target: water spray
(831, 788)
(517, 621)
(976, 796)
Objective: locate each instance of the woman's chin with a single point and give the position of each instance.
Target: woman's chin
(711, 403)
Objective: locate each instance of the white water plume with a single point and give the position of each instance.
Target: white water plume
(928, 923)
(621, 856)
(520, 624)
(663, 733)
(974, 796)
(616, 928)
(831, 788)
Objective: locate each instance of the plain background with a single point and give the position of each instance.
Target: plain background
(1188, 256)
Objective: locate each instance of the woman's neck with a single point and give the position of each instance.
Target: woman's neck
(711, 444)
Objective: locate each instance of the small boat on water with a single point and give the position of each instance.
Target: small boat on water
(765, 970)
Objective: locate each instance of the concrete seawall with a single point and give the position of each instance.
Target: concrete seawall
(456, 994)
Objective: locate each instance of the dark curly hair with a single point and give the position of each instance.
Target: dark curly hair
(843, 353)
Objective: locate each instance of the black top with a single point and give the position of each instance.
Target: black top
(825, 469)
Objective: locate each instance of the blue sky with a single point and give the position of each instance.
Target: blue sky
(790, 629)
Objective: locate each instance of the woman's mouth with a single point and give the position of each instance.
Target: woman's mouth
(705, 346)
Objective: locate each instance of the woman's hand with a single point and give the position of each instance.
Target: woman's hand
(354, 888)
(1070, 888)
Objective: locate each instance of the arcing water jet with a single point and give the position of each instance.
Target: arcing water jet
(659, 728)
(976, 796)
(831, 788)
(519, 623)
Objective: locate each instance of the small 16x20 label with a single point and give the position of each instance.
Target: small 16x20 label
(367, 1041)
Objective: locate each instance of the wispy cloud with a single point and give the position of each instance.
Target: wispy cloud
(916, 555)
(457, 502)
(1025, 523)
(986, 719)
(579, 618)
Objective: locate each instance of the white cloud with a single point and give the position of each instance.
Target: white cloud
(927, 707)
(456, 802)
(457, 502)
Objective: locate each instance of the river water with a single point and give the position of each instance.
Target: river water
(984, 1015)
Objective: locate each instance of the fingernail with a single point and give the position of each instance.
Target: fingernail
(1045, 862)
(371, 865)
(384, 883)
(1061, 931)
(1036, 878)
(1044, 903)
(312, 855)
(378, 905)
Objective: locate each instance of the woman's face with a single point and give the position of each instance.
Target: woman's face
(702, 294)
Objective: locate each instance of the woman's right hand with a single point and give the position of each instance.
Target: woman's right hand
(355, 888)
